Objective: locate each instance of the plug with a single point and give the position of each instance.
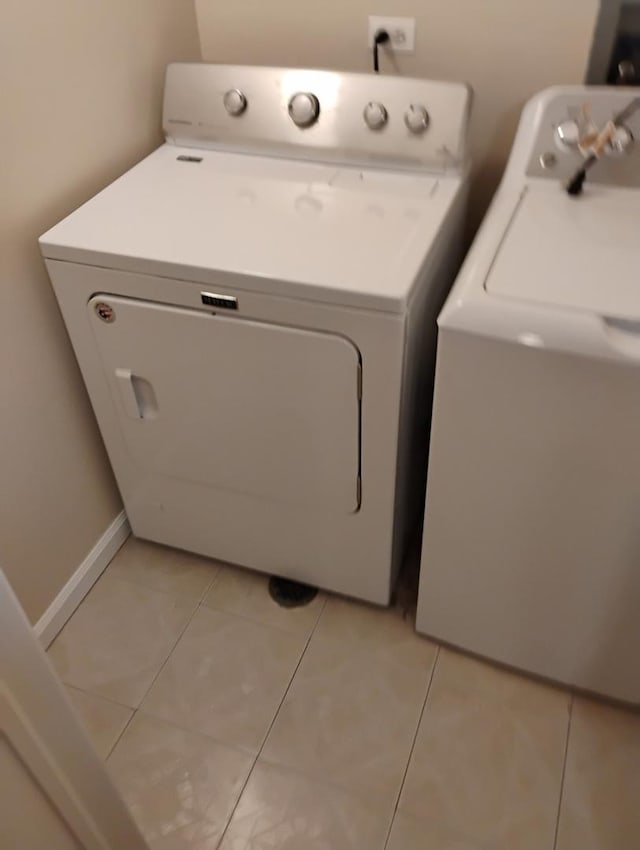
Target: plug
(381, 37)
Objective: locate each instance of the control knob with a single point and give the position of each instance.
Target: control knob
(416, 118)
(567, 135)
(621, 141)
(234, 102)
(375, 115)
(304, 109)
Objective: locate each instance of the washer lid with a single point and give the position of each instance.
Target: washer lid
(581, 253)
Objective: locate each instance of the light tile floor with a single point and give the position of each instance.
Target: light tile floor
(229, 722)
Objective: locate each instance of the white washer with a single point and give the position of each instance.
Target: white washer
(531, 546)
(253, 310)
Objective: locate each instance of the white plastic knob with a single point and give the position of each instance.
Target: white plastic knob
(416, 118)
(235, 102)
(375, 116)
(621, 142)
(304, 109)
(567, 135)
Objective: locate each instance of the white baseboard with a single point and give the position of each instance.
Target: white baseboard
(82, 580)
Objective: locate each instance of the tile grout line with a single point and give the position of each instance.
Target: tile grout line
(254, 620)
(94, 695)
(413, 746)
(273, 720)
(171, 651)
(173, 593)
(564, 772)
(117, 740)
(136, 709)
(210, 606)
(213, 582)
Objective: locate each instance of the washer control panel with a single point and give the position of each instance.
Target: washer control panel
(360, 118)
(568, 123)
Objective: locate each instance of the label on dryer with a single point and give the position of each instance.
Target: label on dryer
(226, 302)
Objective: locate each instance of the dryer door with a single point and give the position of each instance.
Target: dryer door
(262, 409)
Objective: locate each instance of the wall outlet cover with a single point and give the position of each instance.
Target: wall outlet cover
(402, 32)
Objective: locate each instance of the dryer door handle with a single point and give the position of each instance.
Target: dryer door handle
(137, 395)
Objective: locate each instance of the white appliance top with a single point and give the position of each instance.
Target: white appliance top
(343, 208)
(549, 270)
(578, 252)
(575, 253)
(336, 234)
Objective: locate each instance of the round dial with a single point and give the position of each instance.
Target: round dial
(416, 118)
(304, 109)
(235, 102)
(548, 160)
(375, 116)
(567, 135)
(627, 72)
(621, 141)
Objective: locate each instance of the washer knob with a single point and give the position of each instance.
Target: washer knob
(567, 135)
(304, 109)
(234, 102)
(375, 115)
(621, 141)
(416, 118)
(548, 160)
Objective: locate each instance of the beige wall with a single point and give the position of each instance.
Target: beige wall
(507, 49)
(79, 103)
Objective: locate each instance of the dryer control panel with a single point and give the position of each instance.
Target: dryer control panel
(321, 115)
(566, 124)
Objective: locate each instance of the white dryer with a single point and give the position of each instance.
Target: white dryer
(253, 310)
(531, 546)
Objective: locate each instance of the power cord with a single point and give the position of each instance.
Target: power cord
(381, 37)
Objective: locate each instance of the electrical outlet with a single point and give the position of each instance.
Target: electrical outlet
(402, 32)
